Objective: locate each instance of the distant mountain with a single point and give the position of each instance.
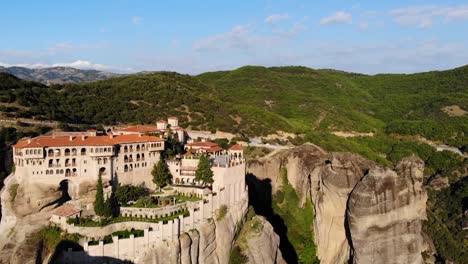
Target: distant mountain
(58, 74)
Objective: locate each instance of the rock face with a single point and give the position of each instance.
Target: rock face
(385, 211)
(262, 247)
(330, 179)
(211, 244)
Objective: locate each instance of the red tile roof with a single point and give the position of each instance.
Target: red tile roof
(141, 129)
(66, 210)
(206, 144)
(214, 149)
(63, 141)
(236, 147)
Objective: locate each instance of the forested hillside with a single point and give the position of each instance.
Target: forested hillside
(256, 101)
(259, 101)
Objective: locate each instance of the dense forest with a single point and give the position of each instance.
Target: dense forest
(259, 101)
(256, 101)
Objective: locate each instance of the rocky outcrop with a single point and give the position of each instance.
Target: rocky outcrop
(334, 181)
(384, 213)
(261, 243)
(210, 244)
(330, 179)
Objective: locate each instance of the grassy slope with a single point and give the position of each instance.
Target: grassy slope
(345, 101)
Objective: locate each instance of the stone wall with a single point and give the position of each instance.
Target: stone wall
(203, 246)
(154, 213)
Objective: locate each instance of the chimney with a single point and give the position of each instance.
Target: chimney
(111, 136)
(70, 138)
(83, 137)
(29, 141)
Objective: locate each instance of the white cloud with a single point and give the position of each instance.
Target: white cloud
(272, 19)
(136, 20)
(339, 17)
(363, 25)
(293, 31)
(240, 37)
(78, 64)
(425, 16)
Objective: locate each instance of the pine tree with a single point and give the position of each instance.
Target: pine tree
(99, 204)
(204, 172)
(161, 173)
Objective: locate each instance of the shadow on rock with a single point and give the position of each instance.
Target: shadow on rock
(260, 198)
(72, 253)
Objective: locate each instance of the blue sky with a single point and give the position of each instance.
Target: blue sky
(196, 36)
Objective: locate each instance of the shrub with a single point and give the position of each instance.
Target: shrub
(13, 191)
(222, 211)
(237, 256)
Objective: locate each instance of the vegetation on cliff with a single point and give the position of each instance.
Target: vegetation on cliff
(299, 221)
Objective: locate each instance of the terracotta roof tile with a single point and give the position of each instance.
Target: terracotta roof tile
(63, 141)
(206, 144)
(236, 147)
(214, 149)
(66, 210)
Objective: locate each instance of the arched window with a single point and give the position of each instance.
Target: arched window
(105, 160)
(67, 173)
(73, 162)
(74, 152)
(57, 171)
(138, 148)
(83, 151)
(125, 149)
(67, 162)
(57, 152)
(61, 171)
(126, 168)
(138, 157)
(50, 152)
(51, 162)
(67, 152)
(99, 161)
(142, 156)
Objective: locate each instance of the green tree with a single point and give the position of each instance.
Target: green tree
(161, 174)
(99, 203)
(204, 172)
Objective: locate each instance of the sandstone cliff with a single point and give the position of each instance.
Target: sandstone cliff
(260, 242)
(330, 179)
(384, 213)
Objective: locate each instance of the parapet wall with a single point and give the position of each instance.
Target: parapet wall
(154, 234)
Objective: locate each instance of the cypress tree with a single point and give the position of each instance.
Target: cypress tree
(204, 172)
(99, 204)
(161, 173)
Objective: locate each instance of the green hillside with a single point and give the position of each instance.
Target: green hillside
(258, 101)
(329, 100)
